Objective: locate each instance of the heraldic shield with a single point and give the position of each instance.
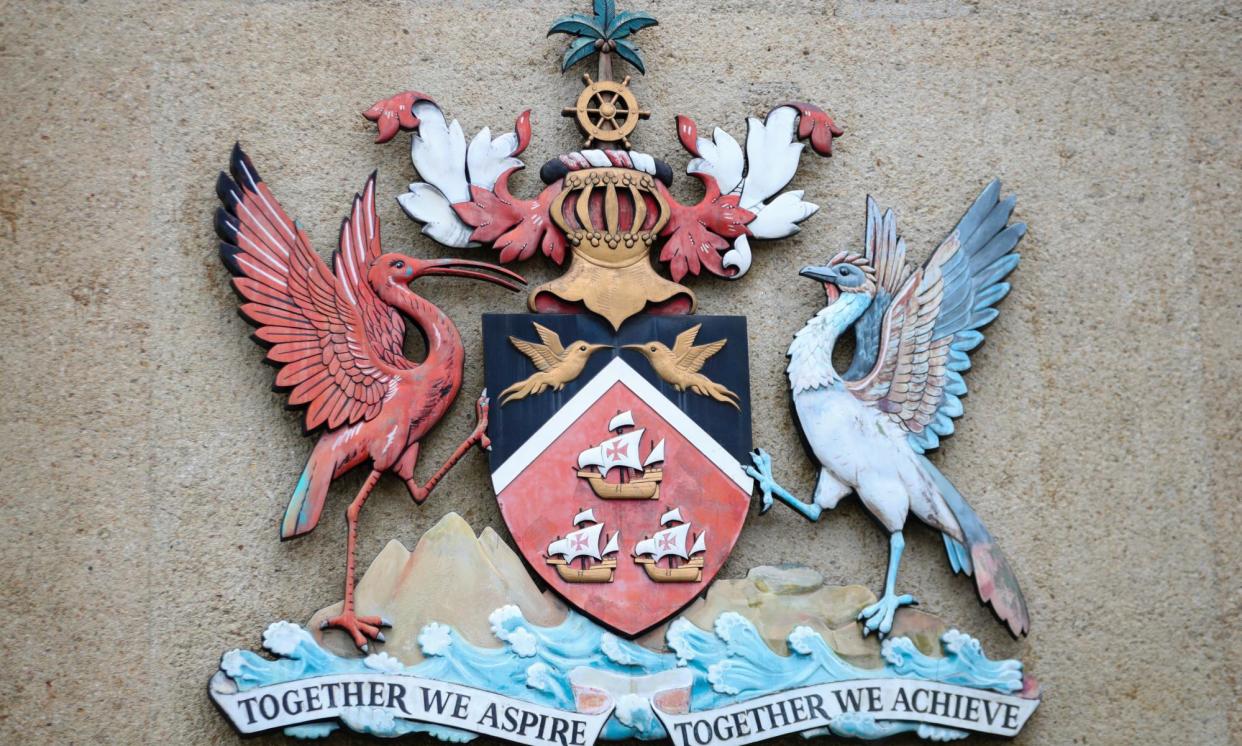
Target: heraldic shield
(617, 455)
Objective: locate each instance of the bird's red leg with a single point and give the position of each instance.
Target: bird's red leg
(359, 628)
(479, 436)
(405, 470)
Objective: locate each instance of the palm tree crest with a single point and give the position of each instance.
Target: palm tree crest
(602, 33)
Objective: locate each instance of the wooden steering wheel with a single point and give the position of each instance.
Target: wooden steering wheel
(607, 111)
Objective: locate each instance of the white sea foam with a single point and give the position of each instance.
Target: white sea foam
(632, 710)
(802, 639)
(282, 638)
(539, 676)
(505, 626)
(504, 614)
(523, 642)
(368, 719)
(940, 733)
(383, 662)
(678, 639)
(309, 731)
(716, 675)
(232, 663)
(615, 651)
(435, 638)
(729, 624)
(958, 642)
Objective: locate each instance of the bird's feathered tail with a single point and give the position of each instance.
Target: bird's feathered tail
(704, 386)
(302, 514)
(982, 558)
(522, 389)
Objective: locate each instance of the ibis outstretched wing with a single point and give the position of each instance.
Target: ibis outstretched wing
(311, 316)
(359, 247)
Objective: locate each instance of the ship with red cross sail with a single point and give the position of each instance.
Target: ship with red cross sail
(583, 544)
(638, 478)
(670, 542)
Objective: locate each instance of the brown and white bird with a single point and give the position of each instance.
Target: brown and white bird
(680, 365)
(869, 426)
(555, 364)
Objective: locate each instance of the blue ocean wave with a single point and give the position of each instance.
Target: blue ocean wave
(729, 663)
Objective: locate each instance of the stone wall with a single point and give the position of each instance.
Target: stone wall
(146, 462)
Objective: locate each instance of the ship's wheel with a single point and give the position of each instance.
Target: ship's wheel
(607, 111)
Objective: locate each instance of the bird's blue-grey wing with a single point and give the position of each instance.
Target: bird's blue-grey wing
(933, 321)
(972, 280)
(885, 252)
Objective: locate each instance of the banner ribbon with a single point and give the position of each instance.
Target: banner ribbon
(359, 697)
(814, 707)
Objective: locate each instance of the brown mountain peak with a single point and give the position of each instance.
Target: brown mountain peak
(451, 577)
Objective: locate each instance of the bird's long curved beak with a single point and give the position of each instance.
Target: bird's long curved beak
(598, 347)
(474, 270)
(824, 275)
(632, 347)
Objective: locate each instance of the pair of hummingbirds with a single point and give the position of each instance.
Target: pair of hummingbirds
(557, 365)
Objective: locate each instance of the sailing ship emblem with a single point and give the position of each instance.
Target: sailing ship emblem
(670, 543)
(583, 544)
(637, 479)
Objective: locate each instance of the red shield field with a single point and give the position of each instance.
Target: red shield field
(628, 524)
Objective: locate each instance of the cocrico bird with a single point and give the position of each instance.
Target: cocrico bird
(680, 365)
(555, 364)
(337, 335)
(870, 426)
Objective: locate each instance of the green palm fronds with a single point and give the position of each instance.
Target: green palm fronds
(603, 31)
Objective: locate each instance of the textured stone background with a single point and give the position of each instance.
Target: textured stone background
(146, 462)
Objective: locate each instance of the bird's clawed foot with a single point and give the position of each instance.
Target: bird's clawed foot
(361, 628)
(879, 615)
(761, 472)
(480, 429)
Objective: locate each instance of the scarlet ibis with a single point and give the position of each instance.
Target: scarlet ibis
(337, 334)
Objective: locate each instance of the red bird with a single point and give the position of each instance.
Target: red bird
(337, 335)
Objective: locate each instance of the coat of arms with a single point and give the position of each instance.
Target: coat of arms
(616, 415)
(648, 436)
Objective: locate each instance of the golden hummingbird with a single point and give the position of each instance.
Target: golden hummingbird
(680, 365)
(555, 364)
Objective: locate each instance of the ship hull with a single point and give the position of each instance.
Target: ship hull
(691, 572)
(600, 572)
(645, 487)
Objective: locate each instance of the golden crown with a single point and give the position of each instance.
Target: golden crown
(611, 215)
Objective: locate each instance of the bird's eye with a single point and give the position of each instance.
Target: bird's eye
(398, 264)
(582, 348)
(652, 348)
